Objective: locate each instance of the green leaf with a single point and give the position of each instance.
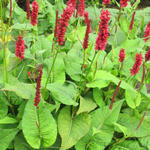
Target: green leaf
(8, 120)
(71, 129)
(39, 126)
(73, 62)
(133, 99)
(98, 97)
(63, 93)
(6, 136)
(131, 123)
(128, 145)
(102, 128)
(145, 141)
(104, 76)
(59, 69)
(23, 90)
(86, 104)
(20, 143)
(3, 108)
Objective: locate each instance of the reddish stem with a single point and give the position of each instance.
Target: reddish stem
(140, 121)
(115, 94)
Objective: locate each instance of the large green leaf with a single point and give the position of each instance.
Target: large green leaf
(23, 90)
(71, 129)
(6, 136)
(102, 128)
(63, 93)
(39, 126)
(131, 123)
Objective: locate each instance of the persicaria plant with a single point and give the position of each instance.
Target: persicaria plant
(75, 75)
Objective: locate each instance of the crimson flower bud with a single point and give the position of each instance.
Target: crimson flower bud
(123, 3)
(88, 30)
(20, 47)
(101, 40)
(136, 67)
(147, 32)
(34, 15)
(147, 55)
(106, 2)
(81, 8)
(122, 55)
(38, 86)
(132, 21)
(28, 8)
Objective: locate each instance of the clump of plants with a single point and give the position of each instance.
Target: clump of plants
(74, 77)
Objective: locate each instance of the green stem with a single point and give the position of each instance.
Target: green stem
(50, 71)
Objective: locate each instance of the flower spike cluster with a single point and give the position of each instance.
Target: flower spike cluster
(106, 2)
(147, 55)
(81, 8)
(147, 32)
(124, 3)
(136, 67)
(28, 8)
(88, 30)
(34, 15)
(64, 22)
(132, 21)
(122, 55)
(20, 47)
(102, 38)
(38, 86)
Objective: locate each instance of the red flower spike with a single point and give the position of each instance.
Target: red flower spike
(34, 15)
(72, 2)
(88, 30)
(106, 2)
(38, 86)
(20, 47)
(147, 55)
(136, 67)
(147, 32)
(56, 25)
(64, 22)
(81, 8)
(122, 55)
(28, 8)
(132, 21)
(123, 3)
(101, 40)
(10, 12)
(114, 96)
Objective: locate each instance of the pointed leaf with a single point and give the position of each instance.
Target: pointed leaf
(72, 130)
